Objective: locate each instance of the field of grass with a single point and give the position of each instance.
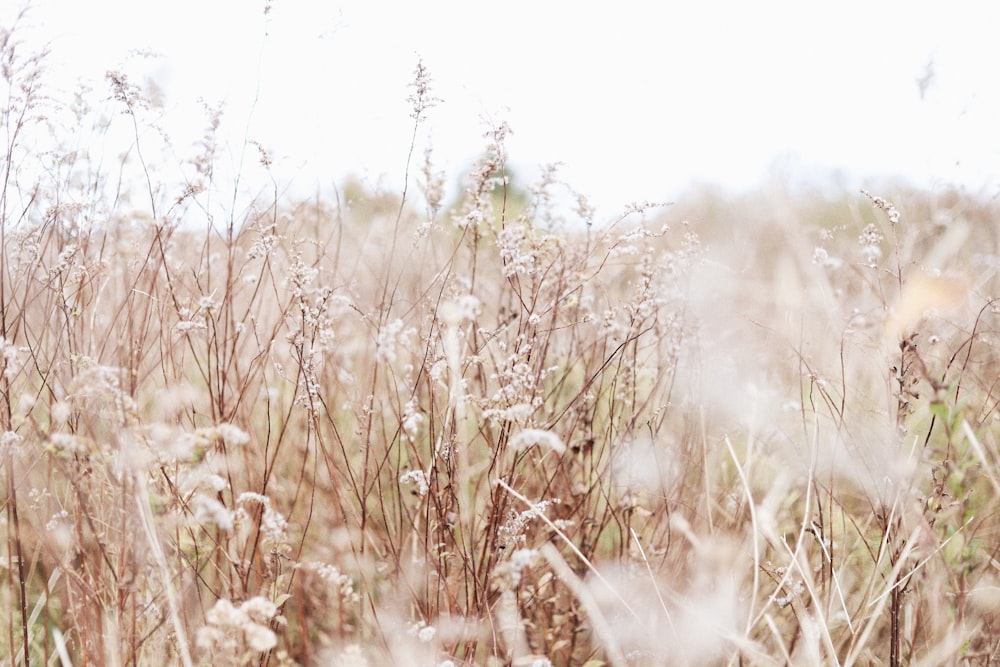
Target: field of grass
(377, 428)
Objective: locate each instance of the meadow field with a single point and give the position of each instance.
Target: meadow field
(408, 428)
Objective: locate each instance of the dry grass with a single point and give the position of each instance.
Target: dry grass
(381, 429)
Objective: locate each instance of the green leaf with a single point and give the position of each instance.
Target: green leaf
(939, 410)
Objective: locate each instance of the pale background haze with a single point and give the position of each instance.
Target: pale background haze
(639, 101)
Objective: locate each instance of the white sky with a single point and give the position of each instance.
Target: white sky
(638, 101)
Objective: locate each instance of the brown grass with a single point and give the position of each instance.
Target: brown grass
(374, 429)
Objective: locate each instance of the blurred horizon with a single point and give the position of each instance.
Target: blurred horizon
(637, 104)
